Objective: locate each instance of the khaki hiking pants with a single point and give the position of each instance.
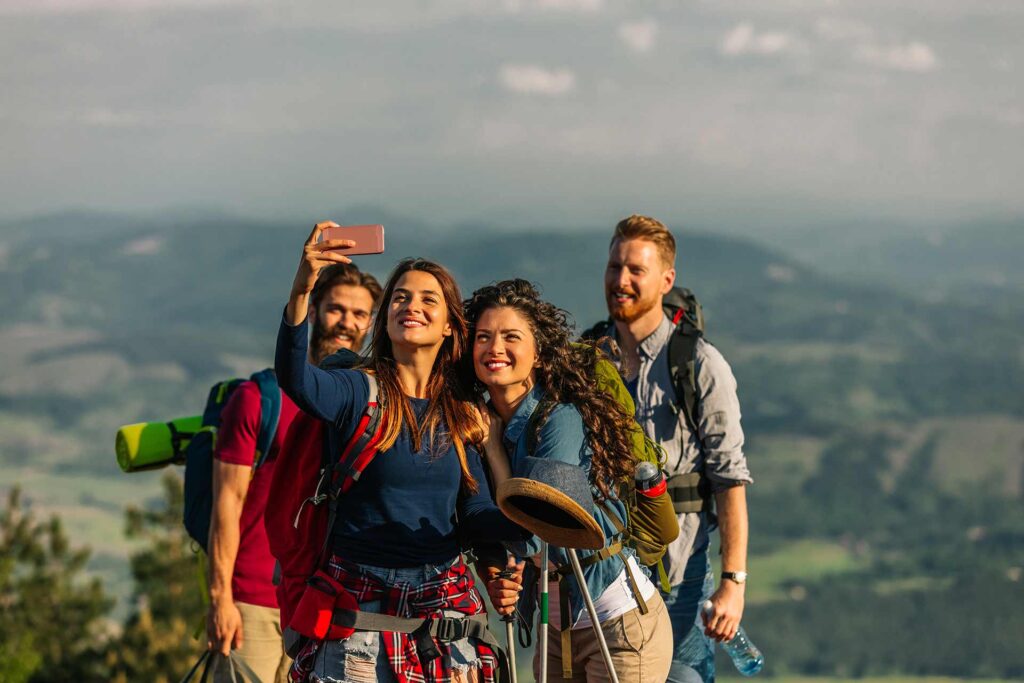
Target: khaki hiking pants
(262, 647)
(640, 646)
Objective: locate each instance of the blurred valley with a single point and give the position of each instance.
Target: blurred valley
(881, 380)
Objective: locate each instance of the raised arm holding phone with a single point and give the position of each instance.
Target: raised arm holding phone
(243, 619)
(395, 545)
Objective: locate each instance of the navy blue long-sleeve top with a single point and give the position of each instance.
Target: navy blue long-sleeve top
(402, 511)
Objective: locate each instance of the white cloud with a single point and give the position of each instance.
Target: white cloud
(915, 56)
(842, 29)
(104, 117)
(530, 79)
(82, 6)
(743, 40)
(554, 5)
(639, 36)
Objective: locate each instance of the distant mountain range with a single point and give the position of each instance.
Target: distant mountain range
(880, 388)
(183, 297)
(966, 261)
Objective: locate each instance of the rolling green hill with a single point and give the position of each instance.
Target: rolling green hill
(162, 302)
(885, 429)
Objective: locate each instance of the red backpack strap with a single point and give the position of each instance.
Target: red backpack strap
(362, 447)
(357, 455)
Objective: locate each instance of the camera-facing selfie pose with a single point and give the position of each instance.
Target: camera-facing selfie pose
(546, 391)
(243, 618)
(394, 546)
(686, 401)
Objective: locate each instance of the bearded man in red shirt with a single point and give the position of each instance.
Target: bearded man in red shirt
(243, 614)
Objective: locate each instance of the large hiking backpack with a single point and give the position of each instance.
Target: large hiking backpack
(650, 524)
(313, 604)
(689, 491)
(297, 521)
(198, 454)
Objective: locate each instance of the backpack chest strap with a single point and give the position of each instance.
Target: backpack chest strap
(445, 629)
(424, 631)
(605, 553)
(689, 493)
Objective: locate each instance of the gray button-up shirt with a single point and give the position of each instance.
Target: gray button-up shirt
(717, 449)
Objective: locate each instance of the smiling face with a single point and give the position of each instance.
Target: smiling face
(341, 319)
(635, 279)
(504, 349)
(417, 311)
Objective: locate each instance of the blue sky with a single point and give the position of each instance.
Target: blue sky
(553, 111)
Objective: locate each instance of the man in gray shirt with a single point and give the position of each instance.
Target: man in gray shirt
(640, 272)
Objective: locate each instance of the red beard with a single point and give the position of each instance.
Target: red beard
(634, 309)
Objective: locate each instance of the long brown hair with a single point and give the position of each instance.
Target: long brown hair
(448, 400)
(567, 372)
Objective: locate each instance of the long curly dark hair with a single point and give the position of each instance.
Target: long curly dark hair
(567, 372)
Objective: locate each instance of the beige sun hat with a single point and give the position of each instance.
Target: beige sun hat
(552, 500)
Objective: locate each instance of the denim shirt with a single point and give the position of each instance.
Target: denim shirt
(562, 437)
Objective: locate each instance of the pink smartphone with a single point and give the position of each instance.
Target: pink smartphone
(369, 239)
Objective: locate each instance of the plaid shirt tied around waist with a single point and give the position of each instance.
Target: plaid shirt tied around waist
(452, 589)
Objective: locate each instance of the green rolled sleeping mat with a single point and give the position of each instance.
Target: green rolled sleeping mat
(151, 445)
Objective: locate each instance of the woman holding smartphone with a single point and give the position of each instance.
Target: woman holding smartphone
(522, 355)
(394, 544)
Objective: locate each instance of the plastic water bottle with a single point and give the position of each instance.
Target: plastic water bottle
(650, 481)
(745, 656)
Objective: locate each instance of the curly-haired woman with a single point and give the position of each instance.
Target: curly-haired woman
(523, 356)
(394, 544)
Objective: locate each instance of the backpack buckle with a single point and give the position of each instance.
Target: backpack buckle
(451, 628)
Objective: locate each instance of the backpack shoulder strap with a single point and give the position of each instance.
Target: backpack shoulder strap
(270, 412)
(360, 450)
(682, 363)
(362, 446)
(596, 331)
(535, 423)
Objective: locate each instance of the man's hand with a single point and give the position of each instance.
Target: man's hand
(504, 593)
(723, 619)
(223, 628)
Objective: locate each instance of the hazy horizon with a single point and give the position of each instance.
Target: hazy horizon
(574, 112)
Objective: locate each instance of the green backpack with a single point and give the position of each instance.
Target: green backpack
(650, 524)
(689, 491)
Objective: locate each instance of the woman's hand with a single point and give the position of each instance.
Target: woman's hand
(504, 592)
(493, 426)
(493, 446)
(315, 255)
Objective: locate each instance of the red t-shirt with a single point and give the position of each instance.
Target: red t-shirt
(252, 581)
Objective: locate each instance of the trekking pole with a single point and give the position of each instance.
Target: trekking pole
(510, 620)
(543, 630)
(578, 573)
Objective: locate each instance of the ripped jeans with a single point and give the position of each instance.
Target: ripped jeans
(361, 658)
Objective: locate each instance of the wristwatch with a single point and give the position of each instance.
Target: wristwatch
(738, 577)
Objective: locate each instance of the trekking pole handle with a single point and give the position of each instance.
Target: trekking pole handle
(507, 573)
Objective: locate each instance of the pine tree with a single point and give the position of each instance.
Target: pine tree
(51, 616)
(159, 641)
